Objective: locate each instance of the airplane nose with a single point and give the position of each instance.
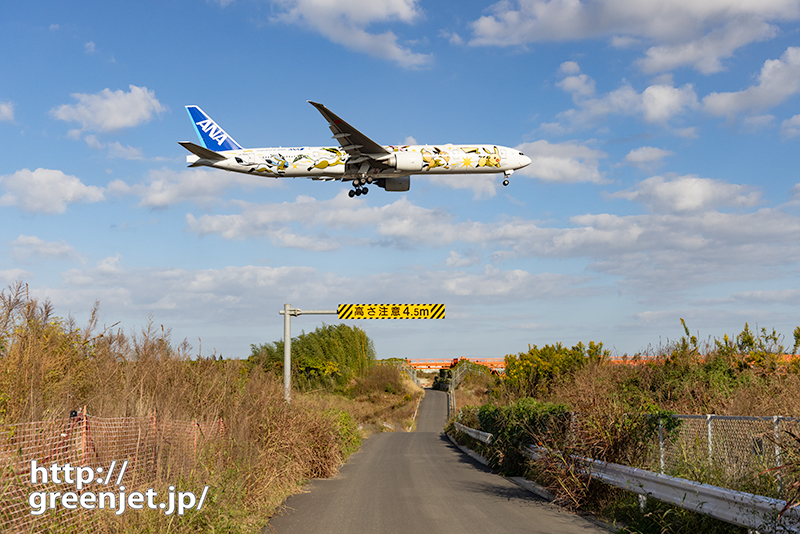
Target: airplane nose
(524, 160)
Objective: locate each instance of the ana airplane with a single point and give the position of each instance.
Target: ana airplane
(357, 159)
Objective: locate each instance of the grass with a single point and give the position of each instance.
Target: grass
(49, 366)
(745, 374)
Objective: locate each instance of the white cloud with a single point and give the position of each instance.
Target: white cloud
(580, 85)
(27, 246)
(658, 103)
(90, 47)
(467, 259)
(46, 191)
(166, 187)
(779, 79)
(706, 53)
(783, 296)
(684, 33)
(791, 127)
(115, 149)
(9, 276)
(689, 194)
(562, 162)
(684, 243)
(345, 22)
(111, 110)
(646, 156)
(6, 112)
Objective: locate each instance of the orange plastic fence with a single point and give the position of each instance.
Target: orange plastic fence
(147, 444)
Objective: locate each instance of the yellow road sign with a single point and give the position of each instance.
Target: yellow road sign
(391, 311)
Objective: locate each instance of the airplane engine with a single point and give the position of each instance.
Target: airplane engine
(405, 161)
(395, 184)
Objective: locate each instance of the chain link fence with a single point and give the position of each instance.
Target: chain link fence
(143, 449)
(737, 452)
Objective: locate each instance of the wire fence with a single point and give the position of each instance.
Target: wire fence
(737, 452)
(135, 452)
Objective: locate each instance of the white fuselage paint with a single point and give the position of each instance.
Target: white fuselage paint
(334, 163)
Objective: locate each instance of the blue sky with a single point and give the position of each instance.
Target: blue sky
(664, 136)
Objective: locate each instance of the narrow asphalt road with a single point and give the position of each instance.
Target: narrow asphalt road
(410, 483)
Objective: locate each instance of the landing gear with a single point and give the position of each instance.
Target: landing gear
(360, 186)
(507, 174)
(505, 182)
(358, 192)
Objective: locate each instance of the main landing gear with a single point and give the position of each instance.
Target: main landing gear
(360, 187)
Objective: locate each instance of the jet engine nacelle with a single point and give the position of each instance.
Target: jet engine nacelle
(405, 161)
(395, 184)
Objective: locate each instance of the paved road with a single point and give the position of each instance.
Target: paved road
(409, 483)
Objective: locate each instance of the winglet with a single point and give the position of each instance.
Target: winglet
(209, 132)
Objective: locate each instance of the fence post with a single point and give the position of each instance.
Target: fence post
(709, 417)
(661, 445)
(776, 422)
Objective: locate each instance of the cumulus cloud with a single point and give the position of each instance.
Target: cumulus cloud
(690, 194)
(28, 246)
(46, 191)
(562, 162)
(456, 260)
(346, 22)
(658, 103)
(111, 110)
(165, 187)
(696, 34)
(778, 80)
(646, 156)
(791, 127)
(706, 53)
(6, 112)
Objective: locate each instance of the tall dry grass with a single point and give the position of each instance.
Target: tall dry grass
(49, 366)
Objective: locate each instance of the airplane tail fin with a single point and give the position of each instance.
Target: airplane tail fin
(209, 132)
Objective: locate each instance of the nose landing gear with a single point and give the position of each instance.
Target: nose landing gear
(507, 174)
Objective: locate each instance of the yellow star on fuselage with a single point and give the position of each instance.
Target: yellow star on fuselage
(466, 162)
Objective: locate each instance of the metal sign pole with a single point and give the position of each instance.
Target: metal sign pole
(287, 313)
(287, 354)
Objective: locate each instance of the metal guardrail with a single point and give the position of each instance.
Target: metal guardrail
(477, 434)
(736, 507)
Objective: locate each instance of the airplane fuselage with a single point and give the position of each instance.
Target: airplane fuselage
(333, 163)
(357, 158)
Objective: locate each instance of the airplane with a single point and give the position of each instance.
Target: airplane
(358, 159)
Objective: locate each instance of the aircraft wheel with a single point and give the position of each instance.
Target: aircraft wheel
(365, 190)
(352, 193)
(505, 182)
(358, 192)
(369, 179)
(355, 183)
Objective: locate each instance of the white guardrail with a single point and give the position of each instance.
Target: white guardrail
(736, 507)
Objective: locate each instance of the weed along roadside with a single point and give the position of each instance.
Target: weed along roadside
(176, 420)
(650, 413)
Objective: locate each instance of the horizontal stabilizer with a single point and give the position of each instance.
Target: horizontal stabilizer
(201, 152)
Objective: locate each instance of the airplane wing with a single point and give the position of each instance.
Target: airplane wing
(360, 147)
